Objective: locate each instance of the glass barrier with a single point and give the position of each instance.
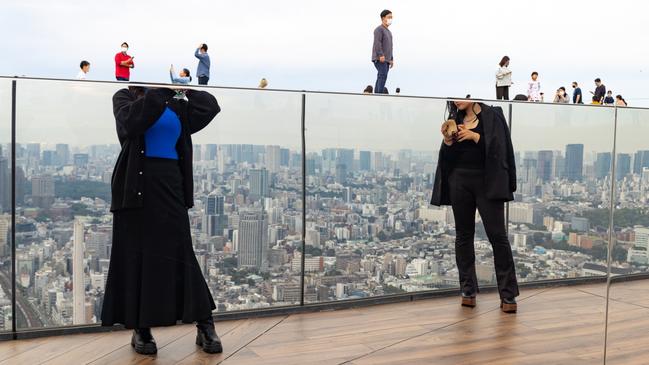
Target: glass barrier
(245, 223)
(370, 228)
(628, 315)
(558, 223)
(6, 295)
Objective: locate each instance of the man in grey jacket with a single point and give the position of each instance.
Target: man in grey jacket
(382, 51)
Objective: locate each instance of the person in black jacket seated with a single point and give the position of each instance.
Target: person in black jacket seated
(476, 168)
(154, 278)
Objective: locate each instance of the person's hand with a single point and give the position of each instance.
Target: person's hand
(391, 64)
(449, 131)
(466, 134)
(200, 45)
(382, 59)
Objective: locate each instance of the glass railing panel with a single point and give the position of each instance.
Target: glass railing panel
(370, 229)
(558, 223)
(247, 182)
(5, 205)
(628, 315)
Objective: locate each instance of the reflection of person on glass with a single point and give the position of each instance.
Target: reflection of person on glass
(476, 169)
(154, 278)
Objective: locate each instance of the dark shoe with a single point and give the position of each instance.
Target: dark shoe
(207, 338)
(143, 342)
(508, 305)
(469, 300)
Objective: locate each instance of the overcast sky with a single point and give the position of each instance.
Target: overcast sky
(441, 49)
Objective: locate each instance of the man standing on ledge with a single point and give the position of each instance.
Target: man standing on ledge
(123, 64)
(203, 70)
(382, 51)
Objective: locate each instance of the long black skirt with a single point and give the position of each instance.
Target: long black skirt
(154, 278)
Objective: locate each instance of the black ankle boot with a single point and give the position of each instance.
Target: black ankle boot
(143, 341)
(207, 338)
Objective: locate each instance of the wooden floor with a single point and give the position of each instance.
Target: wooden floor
(562, 325)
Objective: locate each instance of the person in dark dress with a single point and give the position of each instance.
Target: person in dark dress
(476, 169)
(154, 278)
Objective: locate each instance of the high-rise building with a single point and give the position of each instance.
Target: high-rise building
(622, 165)
(78, 286)
(253, 240)
(63, 154)
(574, 162)
(345, 156)
(603, 165)
(5, 185)
(80, 160)
(214, 204)
(640, 161)
(259, 183)
(43, 190)
(544, 166)
(273, 158)
(210, 152)
(285, 156)
(365, 160)
(341, 174)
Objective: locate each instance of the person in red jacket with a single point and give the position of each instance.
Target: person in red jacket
(123, 64)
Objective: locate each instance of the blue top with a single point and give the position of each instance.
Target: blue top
(203, 63)
(161, 138)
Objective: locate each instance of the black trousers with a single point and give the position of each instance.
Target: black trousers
(202, 80)
(467, 194)
(502, 92)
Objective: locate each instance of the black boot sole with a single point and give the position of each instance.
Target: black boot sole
(146, 349)
(215, 348)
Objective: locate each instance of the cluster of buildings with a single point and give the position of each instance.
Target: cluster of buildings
(368, 228)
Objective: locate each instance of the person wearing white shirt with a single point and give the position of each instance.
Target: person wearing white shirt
(85, 67)
(503, 79)
(534, 88)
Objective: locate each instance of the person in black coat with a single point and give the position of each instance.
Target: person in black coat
(476, 169)
(154, 278)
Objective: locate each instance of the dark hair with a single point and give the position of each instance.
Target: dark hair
(368, 89)
(562, 88)
(186, 71)
(520, 97)
(124, 43)
(595, 98)
(84, 64)
(504, 61)
(204, 47)
(535, 73)
(398, 90)
(575, 83)
(385, 90)
(385, 13)
(468, 96)
(621, 98)
(598, 80)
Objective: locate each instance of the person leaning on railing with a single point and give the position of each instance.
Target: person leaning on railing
(476, 168)
(154, 278)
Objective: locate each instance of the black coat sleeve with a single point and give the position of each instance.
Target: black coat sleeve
(135, 115)
(201, 109)
(511, 161)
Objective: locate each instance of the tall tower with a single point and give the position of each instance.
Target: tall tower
(78, 286)
(253, 240)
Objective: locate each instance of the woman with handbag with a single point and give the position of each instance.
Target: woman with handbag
(154, 278)
(476, 169)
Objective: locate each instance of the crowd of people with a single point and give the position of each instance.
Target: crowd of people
(383, 60)
(600, 96)
(124, 63)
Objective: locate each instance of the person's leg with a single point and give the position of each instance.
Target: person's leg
(463, 203)
(206, 336)
(202, 80)
(381, 76)
(119, 78)
(499, 92)
(493, 217)
(506, 92)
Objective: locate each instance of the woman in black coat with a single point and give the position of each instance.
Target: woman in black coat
(476, 169)
(154, 278)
